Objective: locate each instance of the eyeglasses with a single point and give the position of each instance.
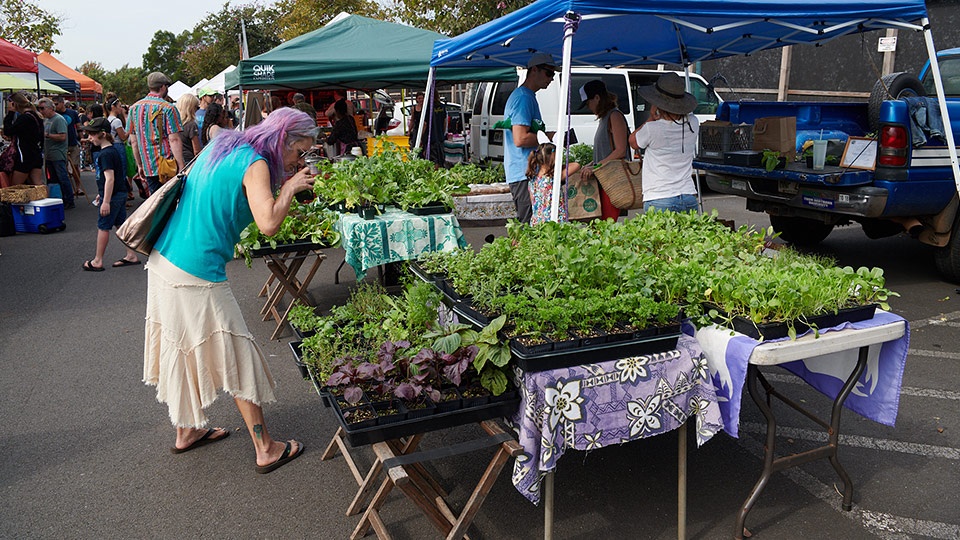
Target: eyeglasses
(41, 107)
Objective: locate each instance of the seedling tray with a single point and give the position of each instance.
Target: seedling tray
(307, 374)
(302, 245)
(780, 330)
(428, 210)
(412, 426)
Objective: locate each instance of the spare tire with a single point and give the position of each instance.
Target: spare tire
(892, 86)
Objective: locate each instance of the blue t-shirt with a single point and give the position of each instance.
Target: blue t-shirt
(109, 159)
(73, 120)
(522, 109)
(213, 210)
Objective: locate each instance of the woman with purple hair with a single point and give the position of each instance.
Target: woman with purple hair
(196, 340)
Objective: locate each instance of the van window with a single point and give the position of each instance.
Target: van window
(614, 82)
(707, 102)
(706, 98)
(481, 97)
(503, 92)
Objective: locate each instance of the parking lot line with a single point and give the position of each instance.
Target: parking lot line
(872, 443)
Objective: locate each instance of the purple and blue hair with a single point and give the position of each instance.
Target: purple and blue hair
(269, 139)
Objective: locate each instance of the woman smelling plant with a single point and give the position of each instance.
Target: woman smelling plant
(112, 193)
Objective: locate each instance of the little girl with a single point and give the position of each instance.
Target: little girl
(540, 172)
(112, 188)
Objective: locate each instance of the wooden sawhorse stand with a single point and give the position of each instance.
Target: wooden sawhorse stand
(405, 471)
(283, 269)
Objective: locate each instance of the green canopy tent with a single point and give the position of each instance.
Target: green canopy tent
(353, 52)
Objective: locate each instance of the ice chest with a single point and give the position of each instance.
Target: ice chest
(42, 215)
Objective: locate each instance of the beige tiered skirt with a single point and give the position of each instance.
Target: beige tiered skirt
(197, 342)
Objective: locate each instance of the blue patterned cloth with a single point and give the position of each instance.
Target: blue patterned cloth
(596, 405)
(394, 236)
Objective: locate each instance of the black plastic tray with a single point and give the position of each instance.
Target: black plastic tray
(779, 330)
(302, 245)
(440, 420)
(307, 374)
(574, 352)
(428, 210)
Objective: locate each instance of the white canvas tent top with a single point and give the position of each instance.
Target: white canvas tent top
(681, 32)
(217, 82)
(196, 88)
(177, 89)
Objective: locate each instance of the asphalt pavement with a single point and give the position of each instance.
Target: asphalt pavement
(84, 451)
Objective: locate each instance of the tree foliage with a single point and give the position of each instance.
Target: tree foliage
(129, 83)
(451, 17)
(24, 23)
(302, 16)
(214, 42)
(165, 54)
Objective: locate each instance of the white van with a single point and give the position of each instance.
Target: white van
(487, 144)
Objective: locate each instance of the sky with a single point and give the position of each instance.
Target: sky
(118, 32)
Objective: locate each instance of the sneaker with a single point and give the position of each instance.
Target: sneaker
(69, 205)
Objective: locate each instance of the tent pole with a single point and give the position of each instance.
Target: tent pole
(38, 83)
(569, 29)
(948, 129)
(428, 105)
(240, 121)
(696, 172)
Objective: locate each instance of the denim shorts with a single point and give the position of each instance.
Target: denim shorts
(680, 203)
(118, 212)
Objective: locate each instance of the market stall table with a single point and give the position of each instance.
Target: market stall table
(608, 403)
(284, 263)
(395, 236)
(858, 365)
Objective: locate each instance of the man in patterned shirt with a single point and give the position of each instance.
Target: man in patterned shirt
(152, 122)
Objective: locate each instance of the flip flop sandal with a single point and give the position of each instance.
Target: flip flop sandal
(202, 441)
(284, 458)
(124, 262)
(89, 267)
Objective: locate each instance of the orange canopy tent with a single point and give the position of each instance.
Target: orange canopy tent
(88, 87)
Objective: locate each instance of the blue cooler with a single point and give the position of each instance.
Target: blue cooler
(42, 216)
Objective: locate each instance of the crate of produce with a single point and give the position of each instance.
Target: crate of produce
(42, 216)
(22, 194)
(718, 138)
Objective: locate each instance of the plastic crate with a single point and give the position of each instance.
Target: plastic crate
(715, 140)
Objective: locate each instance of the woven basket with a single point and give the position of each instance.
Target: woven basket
(621, 181)
(22, 194)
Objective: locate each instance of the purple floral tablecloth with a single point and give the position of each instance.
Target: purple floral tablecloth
(596, 405)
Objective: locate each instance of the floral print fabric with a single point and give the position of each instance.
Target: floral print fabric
(596, 405)
(541, 195)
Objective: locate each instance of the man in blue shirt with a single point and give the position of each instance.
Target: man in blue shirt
(73, 141)
(525, 119)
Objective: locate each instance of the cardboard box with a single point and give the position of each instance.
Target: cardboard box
(44, 215)
(777, 133)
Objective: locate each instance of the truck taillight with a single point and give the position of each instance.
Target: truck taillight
(893, 146)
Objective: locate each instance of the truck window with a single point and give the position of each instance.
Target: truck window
(614, 82)
(950, 73)
(500, 96)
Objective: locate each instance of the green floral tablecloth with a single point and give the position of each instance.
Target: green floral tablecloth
(395, 236)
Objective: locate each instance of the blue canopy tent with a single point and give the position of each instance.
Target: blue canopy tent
(629, 33)
(57, 79)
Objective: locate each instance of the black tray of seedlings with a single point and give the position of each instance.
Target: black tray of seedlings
(540, 353)
(308, 374)
(781, 329)
(428, 209)
(288, 247)
(369, 421)
(437, 280)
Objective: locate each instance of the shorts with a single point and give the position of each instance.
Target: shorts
(118, 212)
(520, 192)
(30, 163)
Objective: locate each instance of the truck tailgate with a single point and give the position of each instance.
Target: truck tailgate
(794, 172)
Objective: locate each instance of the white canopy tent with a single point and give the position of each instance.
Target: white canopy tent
(177, 89)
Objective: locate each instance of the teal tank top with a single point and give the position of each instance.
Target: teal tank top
(213, 210)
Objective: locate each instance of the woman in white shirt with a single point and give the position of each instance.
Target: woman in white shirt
(669, 138)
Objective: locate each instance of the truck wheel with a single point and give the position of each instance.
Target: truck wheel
(800, 231)
(891, 86)
(947, 258)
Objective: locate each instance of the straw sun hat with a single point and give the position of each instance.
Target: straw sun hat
(669, 95)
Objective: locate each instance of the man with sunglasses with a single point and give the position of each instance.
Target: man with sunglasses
(521, 138)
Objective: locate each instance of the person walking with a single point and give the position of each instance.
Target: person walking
(24, 125)
(55, 151)
(196, 339)
(213, 122)
(206, 96)
(300, 103)
(112, 191)
(73, 142)
(187, 105)
(521, 138)
(153, 123)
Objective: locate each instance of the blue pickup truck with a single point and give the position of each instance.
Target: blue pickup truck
(912, 180)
